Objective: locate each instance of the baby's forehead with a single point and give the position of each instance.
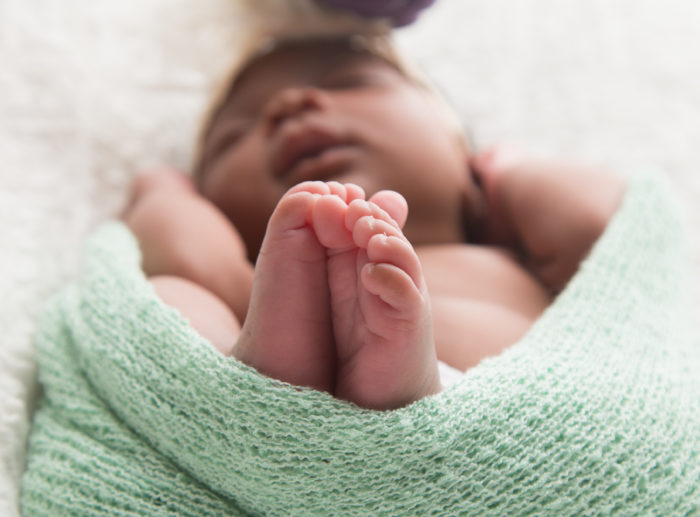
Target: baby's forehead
(313, 52)
(310, 50)
(299, 62)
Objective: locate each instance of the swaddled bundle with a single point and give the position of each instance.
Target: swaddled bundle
(595, 411)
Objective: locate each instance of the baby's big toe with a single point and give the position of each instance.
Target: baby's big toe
(329, 223)
(292, 212)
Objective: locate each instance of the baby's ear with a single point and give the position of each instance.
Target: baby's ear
(393, 204)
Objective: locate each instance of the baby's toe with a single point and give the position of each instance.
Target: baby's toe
(398, 252)
(393, 204)
(293, 211)
(328, 219)
(353, 192)
(393, 286)
(368, 226)
(360, 208)
(348, 192)
(312, 187)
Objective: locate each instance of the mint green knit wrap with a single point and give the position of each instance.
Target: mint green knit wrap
(595, 412)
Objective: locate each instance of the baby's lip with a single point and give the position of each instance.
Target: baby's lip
(301, 142)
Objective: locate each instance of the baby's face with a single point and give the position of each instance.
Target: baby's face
(325, 111)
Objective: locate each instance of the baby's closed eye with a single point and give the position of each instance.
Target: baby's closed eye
(357, 75)
(226, 135)
(350, 80)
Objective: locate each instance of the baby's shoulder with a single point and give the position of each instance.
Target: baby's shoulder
(467, 255)
(473, 263)
(486, 273)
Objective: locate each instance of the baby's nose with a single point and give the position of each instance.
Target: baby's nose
(290, 103)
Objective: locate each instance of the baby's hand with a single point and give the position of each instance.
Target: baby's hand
(550, 212)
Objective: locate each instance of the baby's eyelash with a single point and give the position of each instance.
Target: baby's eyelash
(227, 138)
(349, 80)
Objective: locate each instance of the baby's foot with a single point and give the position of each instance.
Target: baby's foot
(380, 307)
(287, 333)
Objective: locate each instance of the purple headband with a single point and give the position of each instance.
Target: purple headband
(400, 12)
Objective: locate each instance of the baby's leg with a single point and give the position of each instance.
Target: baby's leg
(380, 306)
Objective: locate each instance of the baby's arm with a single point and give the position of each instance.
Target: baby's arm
(551, 212)
(185, 239)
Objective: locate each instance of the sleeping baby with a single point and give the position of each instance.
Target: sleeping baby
(341, 234)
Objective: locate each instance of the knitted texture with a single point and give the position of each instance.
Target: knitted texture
(595, 411)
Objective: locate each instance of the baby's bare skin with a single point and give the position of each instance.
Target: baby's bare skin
(482, 290)
(339, 302)
(493, 238)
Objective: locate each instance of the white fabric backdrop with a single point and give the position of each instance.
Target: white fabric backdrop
(91, 91)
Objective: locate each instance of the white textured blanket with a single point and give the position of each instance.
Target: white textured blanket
(91, 91)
